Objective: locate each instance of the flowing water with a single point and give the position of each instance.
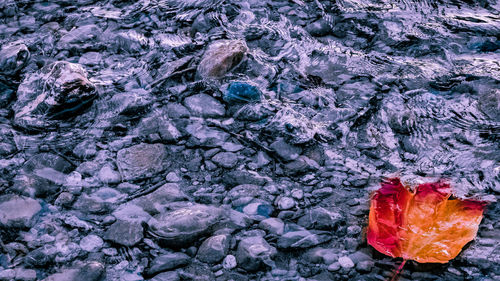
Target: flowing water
(421, 77)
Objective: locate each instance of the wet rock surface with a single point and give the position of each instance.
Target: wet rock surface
(238, 140)
(58, 91)
(141, 160)
(13, 58)
(168, 262)
(180, 227)
(125, 233)
(213, 249)
(204, 105)
(18, 211)
(254, 253)
(221, 57)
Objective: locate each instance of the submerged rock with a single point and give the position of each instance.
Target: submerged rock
(42, 175)
(181, 227)
(202, 135)
(81, 38)
(91, 243)
(141, 160)
(213, 249)
(489, 103)
(254, 252)
(131, 213)
(302, 239)
(167, 262)
(221, 57)
(158, 124)
(157, 201)
(229, 262)
(321, 218)
(239, 177)
(108, 175)
(92, 271)
(225, 159)
(13, 58)
(7, 93)
(18, 211)
(166, 276)
(319, 28)
(252, 112)
(65, 274)
(204, 105)
(129, 42)
(18, 274)
(273, 225)
(58, 91)
(346, 262)
(98, 202)
(90, 59)
(294, 126)
(301, 165)
(286, 151)
(125, 233)
(239, 92)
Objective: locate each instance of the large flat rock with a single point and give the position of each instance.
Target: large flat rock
(142, 160)
(18, 211)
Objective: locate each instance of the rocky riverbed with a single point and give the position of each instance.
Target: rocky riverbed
(238, 140)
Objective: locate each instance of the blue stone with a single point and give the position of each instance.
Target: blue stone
(239, 92)
(289, 88)
(489, 46)
(264, 210)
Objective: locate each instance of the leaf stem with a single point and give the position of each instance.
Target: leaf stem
(395, 277)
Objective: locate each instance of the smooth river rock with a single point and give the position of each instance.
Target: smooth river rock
(140, 160)
(58, 91)
(18, 211)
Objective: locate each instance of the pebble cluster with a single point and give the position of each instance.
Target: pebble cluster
(233, 140)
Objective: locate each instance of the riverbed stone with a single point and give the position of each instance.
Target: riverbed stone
(345, 262)
(221, 57)
(225, 159)
(166, 276)
(92, 271)
(58, 91)
(302, 239)
(168, 262)
(141, 160)
(18, 211)
(202, 135)
(286, 203)
(204, 105)
(125, 233)
(321, 218)
(43, 175)
(254, 252)
(109, 175)
(286, 151)
(13, 58)
(213, 249)
(91, 243)
(182, 226)
(489, 103)
(81, 38)
(229, 262)
(157, 201)
(273, 225)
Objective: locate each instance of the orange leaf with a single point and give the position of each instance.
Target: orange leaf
(424, 225)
